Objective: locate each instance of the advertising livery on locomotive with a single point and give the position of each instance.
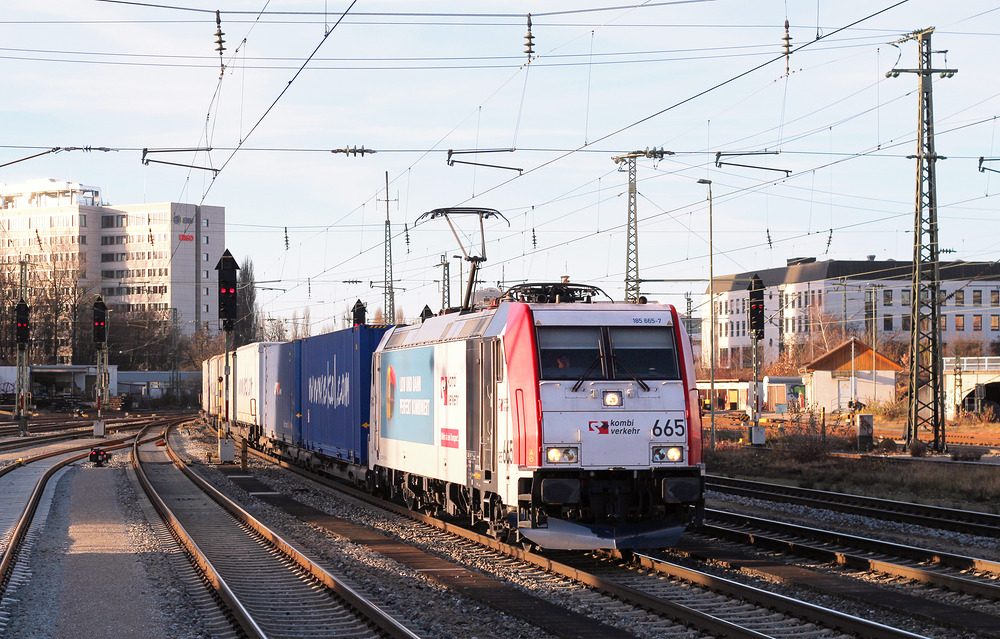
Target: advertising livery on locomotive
(548, 418)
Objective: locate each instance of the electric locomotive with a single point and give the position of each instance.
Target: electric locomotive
(548, 418)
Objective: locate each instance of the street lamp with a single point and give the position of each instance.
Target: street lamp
(711, 299)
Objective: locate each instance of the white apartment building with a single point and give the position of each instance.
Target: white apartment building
(807, 297)
(140, 257)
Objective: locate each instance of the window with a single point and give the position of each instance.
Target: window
(574, 352)
(995, 322)
(904, 297)
(566, 352)
(204, 275)
(819, 298)
(977, 323)
(977, 297)
(887, 323)
(206, 292)
(959, 322)
(204, 257)
(204, 223)
(204, 239)
(206, 310)
(944, 322)
(646, 352)
(887, 297)
(83, 220)
(904, 323)
(959, 298)
(995, 297)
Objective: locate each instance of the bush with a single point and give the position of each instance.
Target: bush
(888, 411)
(918, 448)
(887, 446)
(968, 454)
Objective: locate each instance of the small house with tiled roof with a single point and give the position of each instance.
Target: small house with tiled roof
(850, 371)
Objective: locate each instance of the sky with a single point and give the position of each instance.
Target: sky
(826, 134)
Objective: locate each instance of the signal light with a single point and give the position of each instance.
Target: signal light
(228, 310)
(756, 311)
(21, 319)
(358, 313)
(100, 321)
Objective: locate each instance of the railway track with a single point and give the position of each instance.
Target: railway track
(266, 586)
(23, 487)
(670, 593)
(62, 430)
(921, 574)
(965, 521)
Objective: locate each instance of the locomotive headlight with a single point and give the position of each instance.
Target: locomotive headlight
(562, 455)
(613, 398)
(663, 454)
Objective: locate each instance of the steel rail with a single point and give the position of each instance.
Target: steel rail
(965, 521)
(24, 523)
(374, 614)
(683, 614)
(800, 609)
(988, 589)
(220, 589)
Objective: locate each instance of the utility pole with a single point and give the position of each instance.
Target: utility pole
(390, 297)
(632, 243)
(926, 400)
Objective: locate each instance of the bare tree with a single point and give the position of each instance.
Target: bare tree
(247, 327)
(275, 330)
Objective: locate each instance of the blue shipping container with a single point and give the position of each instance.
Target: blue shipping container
(282, 392)
(336, 391)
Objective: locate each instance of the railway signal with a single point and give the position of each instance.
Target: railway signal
(227, 268)
(756, 289)
(21, 318)
(100, 321)
(756, 320)
(358, 313)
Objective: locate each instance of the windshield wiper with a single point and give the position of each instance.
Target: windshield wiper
(642, 384)
(579, 382)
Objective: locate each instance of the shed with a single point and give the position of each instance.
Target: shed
(849, 371)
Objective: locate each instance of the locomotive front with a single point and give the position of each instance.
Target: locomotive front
(619, 435)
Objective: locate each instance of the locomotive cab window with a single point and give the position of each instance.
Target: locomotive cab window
(567, 352)
(644, 351)
(579, 352)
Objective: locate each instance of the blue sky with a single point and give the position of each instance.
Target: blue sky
(413, 80)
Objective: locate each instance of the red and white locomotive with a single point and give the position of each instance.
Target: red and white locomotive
(548, 417)
(571, 423)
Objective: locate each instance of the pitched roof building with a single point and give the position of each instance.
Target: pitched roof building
(806, 298)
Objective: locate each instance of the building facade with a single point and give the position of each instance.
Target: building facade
(810, 303)
(154, 258)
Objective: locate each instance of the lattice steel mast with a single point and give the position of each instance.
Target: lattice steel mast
(390, 297)
(926, 400)
(632, 244)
